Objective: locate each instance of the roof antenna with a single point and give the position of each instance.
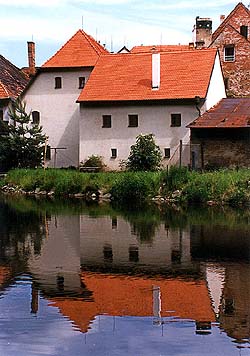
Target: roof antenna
(82, 22)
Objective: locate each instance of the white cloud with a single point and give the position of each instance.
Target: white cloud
(24, 3)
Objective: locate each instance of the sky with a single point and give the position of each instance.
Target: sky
(50, 23)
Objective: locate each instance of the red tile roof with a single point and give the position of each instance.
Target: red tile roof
(120, 295)
(228, 113)
(159, 48)
(81, 50)
(222, 26)
(12, 79)
(128, 77)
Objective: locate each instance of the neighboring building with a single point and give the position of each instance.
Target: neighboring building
(232, 39)
(203, 32)
(52, 95)
(12, 83)
(223, 135)
(161, 48)
(159, 93)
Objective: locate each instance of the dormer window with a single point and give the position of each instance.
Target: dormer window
(58, 82)
(229, 53)
(244, 31)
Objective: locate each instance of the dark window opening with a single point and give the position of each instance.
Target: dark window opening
(113, 152)
(114, 223)
(176, 256)
(133, 254)
(81, 82)
(133, 120)
(244, 31)
(1, 114)
(108, 253)
(35, 117)
(58, 82)
(226, 82)
(48, 153)
(166, 152)
(229, 53)
(106, 121)
(175, 120)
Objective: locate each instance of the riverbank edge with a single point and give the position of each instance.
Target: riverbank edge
(176, 186)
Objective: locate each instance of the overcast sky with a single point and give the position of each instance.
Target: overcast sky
(50, 23)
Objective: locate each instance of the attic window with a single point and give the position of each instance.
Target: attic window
(81, 82)
(35, 117)
(244, 31)
(229, 53)
(58, 82)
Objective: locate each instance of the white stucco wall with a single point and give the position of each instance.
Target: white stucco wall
(59, 112)
(216, 90)
(156, 119)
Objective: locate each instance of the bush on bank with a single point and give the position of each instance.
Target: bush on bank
(223, 186)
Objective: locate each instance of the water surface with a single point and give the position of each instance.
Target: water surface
(102, 280)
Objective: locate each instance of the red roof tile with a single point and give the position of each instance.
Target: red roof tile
(127, 77)
(81, 50)
(12, 79)
(159, 48)
(228, 113)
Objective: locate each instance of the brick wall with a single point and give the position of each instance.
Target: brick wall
(236, 72)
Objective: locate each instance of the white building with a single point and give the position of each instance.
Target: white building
(52, 95)
(158, 93)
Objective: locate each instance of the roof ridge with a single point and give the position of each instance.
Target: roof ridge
(91, 39)
(225, 21)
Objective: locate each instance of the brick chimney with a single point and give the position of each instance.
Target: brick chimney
(31, 58)
(222, 18)
(156, 70)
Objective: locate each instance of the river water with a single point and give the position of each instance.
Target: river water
(102, 280)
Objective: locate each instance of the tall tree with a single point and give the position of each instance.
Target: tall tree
(23, 147)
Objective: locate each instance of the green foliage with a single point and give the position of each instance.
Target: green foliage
(144, 155)
(94, 161)
(175, 178)
(24, 145)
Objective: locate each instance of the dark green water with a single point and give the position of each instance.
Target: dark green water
(101, 280)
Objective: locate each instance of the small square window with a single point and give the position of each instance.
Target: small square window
(106, 121)
(175, 120)
(133, 120)
(166, 152)
(229, 53)
(58, 82)
(81, 82)
(113, 152)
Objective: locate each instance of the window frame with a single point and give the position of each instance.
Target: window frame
(113, 153)
(244, 31)
(167, 150)
(176, 120)
(58, 82)
(229, 57)
(106, 121)
(132, 117)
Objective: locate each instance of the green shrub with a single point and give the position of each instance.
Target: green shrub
(144, 155)
(94, 161)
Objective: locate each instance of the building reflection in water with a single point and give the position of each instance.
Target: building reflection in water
(91, 266)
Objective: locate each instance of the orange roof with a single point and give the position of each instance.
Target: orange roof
(222, 26)
(159, 48)
(3, 92)
(122, 295)
(81, 50)
(228, 113)
(121, 77)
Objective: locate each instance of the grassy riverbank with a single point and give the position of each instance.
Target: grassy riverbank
(225, 186)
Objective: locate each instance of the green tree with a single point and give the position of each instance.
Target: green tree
(23, 146)
(144, 155)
